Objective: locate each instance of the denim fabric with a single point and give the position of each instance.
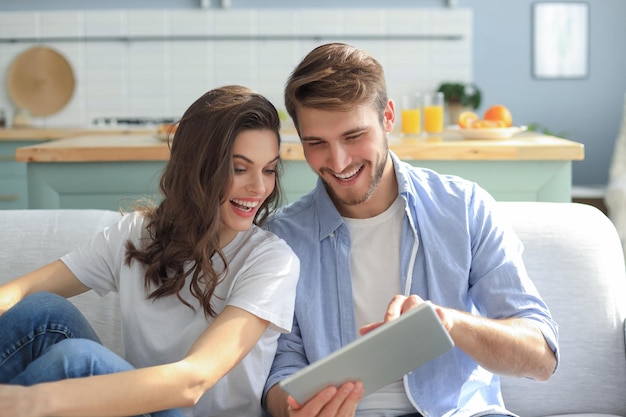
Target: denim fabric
(45, 338)
(486, 415)
(32, 327)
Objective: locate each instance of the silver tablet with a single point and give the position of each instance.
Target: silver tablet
(380, 357)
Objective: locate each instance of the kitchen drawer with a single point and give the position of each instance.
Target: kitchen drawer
(13, 194)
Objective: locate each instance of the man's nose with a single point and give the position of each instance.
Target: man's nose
(338, 158)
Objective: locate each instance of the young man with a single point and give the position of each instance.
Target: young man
(377, 237)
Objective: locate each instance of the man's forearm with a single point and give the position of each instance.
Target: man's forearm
(276, 401)
(506, 347)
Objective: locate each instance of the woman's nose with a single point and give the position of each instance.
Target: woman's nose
(256, 183)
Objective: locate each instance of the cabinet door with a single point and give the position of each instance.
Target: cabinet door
(92, 185)
(13, 181)
(13, 194)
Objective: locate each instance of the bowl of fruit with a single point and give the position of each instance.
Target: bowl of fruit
(496, 123)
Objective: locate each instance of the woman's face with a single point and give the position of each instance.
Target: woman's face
(255, 156)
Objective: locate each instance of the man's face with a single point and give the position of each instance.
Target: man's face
(349, 151)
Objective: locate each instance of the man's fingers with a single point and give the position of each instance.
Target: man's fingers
(401, 304)
(344, 402)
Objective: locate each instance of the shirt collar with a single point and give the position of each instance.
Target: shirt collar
(330, 219)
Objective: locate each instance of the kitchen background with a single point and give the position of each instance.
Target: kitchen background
(152, 58)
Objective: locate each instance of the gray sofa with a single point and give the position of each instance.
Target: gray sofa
(572, 252)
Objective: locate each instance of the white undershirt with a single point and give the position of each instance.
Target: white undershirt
(375, 267)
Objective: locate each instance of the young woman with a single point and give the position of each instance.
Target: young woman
(204, 292)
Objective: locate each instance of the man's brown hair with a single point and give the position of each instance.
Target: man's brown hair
(336, 76)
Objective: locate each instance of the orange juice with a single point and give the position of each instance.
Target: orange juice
(433, 119)
(411, 121)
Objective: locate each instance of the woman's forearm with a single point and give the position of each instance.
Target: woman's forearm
(54, 277)
(121, 394)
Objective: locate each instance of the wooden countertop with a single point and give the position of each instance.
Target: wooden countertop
(147, 147)
(54, 133)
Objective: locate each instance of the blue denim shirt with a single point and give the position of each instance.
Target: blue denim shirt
(456, 252)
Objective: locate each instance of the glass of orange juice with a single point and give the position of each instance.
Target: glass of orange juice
(411, 115)
(433, 112)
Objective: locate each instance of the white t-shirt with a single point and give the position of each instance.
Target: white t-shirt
(262, 277)
(375, 280)
(375, 262)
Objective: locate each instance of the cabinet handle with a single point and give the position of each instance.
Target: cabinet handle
(9, 197)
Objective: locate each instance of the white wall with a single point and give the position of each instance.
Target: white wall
(156, 62)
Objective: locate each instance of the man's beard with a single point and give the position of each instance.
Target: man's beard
(353, 199)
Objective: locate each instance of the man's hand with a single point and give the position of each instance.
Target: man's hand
(329, 402)
(510, 346)
(399, 305)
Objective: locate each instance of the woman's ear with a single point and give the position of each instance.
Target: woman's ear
(389, 116)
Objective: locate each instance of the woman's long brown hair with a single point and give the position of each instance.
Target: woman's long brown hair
(183, 231)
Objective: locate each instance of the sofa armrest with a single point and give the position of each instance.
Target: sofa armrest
(573, 255)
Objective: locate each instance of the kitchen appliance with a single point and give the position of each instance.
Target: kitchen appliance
(130, 122)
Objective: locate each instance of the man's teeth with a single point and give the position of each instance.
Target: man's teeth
(245, 204)
(348, 174)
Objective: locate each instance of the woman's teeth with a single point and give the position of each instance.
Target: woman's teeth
(245, 205)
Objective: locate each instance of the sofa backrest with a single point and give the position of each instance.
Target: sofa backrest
(32, 238)
(572, 254)
(574, 257)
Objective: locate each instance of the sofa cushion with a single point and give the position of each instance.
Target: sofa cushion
(32, 238)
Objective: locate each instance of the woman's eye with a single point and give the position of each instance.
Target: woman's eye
(270, 171)
(239, 170)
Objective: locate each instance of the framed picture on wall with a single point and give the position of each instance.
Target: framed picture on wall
(560, 40)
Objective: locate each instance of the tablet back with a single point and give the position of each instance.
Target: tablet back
(380, 357)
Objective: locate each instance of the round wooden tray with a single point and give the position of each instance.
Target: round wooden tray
(41, 81)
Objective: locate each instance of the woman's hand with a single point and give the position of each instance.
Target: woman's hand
(17, 401)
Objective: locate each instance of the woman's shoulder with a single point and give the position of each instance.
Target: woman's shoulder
(259, 236)
(130, 226)
(259, 240)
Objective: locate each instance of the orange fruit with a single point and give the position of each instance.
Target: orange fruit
(488, 124)
(467, 118)
(499, 113)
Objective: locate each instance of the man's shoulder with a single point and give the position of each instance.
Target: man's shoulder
(301, 211)
(440, 185)
(427, 175)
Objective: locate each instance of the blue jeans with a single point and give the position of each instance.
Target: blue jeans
(487, 415)
(45, 338)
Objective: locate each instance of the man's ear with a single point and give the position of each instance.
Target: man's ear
(389, 116)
